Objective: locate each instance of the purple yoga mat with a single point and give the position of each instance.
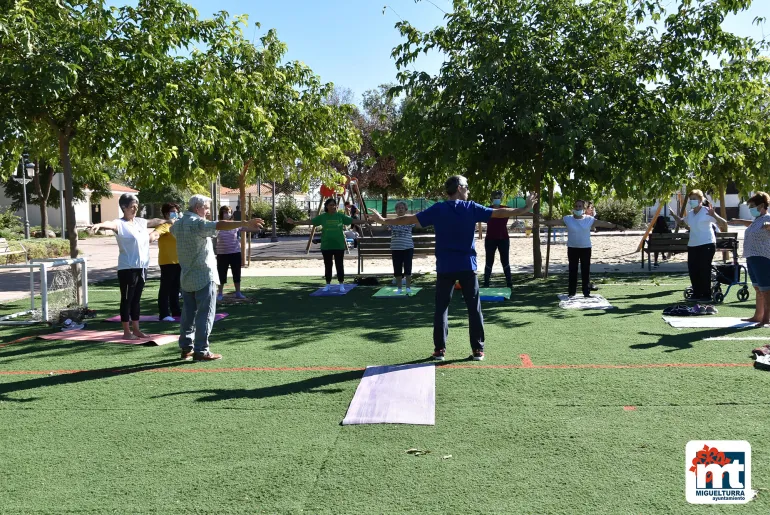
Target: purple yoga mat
(395, 394)
(334, 291)
(151, 318)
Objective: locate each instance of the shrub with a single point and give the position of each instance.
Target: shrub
(625, 213)
(287, 208)
(9, 221)
(50, 248)
(261, 209)
(9, 234)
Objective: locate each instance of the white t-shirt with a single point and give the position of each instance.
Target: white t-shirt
(756, 240)
(579, 231)
(133, 242)
(700, 224)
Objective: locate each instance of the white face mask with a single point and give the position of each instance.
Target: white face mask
(172, 215)
(694, 203)
(226, 216)
(496, 201)
(577, 212)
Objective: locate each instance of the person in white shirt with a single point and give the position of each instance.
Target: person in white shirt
(579, 227)
(133, 260)
(701, 245)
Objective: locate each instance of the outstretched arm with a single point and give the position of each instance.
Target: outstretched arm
(679, 221)
(299, 222)
(154, 222)
(738, 221)
(399, 220)
(103, 225)
(556, 222)
(507, 212)
(607, 225)
(721, 222)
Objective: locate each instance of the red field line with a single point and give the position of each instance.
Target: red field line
(526, 361)
(184, 370)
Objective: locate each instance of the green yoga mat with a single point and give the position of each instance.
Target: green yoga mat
(390, 291)
(494, 294)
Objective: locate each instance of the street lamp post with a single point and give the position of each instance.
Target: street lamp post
(274, 238)
(26, 171)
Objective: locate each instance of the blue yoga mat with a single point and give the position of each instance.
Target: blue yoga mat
(334, 291)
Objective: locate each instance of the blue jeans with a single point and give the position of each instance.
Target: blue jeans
(197, 318)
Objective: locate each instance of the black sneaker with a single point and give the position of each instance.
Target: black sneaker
(438, 354)
(478, 355)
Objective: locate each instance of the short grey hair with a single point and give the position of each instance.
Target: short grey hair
(402, 203)
(197, 201)
(126, 200)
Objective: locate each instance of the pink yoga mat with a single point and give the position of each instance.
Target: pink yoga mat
(84, 335)
(151, 318)
(395, 394)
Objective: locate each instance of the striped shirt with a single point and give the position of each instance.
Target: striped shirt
(228, 242)
(756, 239)
(402, 237)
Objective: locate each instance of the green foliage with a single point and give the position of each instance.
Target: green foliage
(9, 221)
(261, 209)
(42, 248)
(287, 208)
(626, 213)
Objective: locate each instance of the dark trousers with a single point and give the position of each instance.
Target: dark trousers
(445, 285)
(168, 294)
(232, 261)
(402, 262)
(583, 256)
(504, 247)
(339, 261)
(131, 285)
(699, 265)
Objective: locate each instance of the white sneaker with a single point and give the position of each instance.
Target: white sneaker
(328, 287)
(342, 288)
(408, 291)
(169, 319)
(398, 291)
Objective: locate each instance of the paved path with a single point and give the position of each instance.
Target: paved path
(102, 257)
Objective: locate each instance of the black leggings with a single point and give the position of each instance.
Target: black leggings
(402, 262)
(131, 285)
(339, 261)
(582, 255)
(229, 260)
(492, 246)
(699, 265)
(168, 294)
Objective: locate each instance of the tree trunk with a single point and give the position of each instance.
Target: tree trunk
(64, 156)
(537, 256)
(242, 200)
(43, 191)
(550, 217)
(384, 203)
(722, 206)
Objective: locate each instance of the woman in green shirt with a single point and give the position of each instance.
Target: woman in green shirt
(333, 243)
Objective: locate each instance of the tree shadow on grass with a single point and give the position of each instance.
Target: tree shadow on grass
(683, 340)
(79, 377)
(317, 384)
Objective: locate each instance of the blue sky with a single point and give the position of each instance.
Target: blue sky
(349, 42)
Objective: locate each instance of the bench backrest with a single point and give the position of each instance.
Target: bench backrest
(423, 244)
(678, 241)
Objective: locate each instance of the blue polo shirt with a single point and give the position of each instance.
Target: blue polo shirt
(455, 224)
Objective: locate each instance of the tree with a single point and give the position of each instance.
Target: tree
(91, 74)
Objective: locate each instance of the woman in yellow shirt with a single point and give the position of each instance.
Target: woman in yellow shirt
(170, 271)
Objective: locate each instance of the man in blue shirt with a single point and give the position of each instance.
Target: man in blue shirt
(454, 222)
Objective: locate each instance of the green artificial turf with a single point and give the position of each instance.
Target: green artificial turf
(109, 428)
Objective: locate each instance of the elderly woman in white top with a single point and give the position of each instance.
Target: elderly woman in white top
(701, 245)
(133, 260)
(756, 250)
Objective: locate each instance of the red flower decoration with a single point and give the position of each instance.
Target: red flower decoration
(707, 456)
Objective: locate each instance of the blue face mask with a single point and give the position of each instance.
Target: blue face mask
(496, 201)
(754, 211)
(172, 215)
(578, 212)
(694, 203)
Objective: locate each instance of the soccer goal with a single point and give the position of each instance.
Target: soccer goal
(59, 292)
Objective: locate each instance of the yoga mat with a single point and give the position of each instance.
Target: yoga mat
(708, 322)
(581, 302)
(494, 294)
(395, 394)
(333, 292)
(150, 318)
(390, 291)
(83, 335)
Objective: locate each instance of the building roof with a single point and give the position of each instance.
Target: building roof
(122, 189)
(267, 190)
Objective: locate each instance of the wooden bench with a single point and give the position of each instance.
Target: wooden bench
(677, 242)
(379, 247)
(7, 251)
